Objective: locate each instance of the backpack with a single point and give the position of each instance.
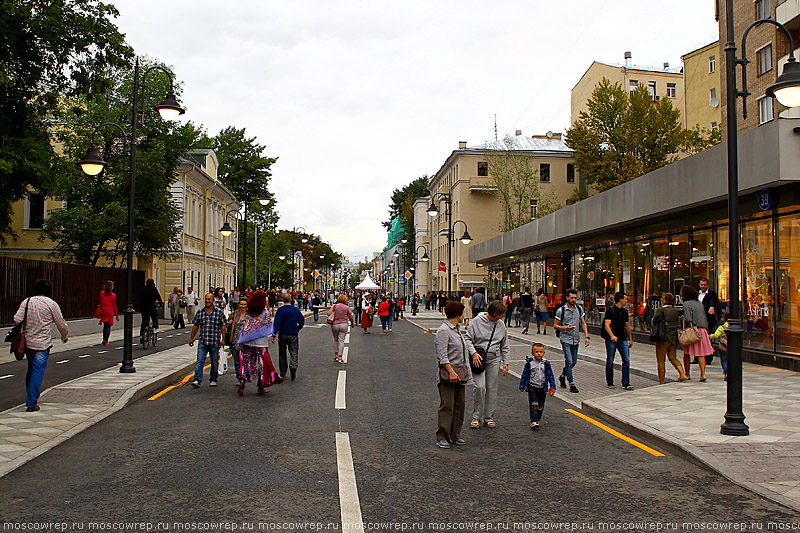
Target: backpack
(561, 318)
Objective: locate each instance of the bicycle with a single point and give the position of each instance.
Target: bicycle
(149, 337)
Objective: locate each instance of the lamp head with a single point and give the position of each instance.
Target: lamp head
(396, 253)
(169, 108)
(786, 88)
(281, 256)
(466, 238)
(433, 210)
(404, 239)
(322, 256)
(425, 257)
(92, 164)
(304, 239)
(264, 199)
(226, 230)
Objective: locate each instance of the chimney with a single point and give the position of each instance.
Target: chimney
(628, 58)
(666, 65)
(462, 145)
(518, 133)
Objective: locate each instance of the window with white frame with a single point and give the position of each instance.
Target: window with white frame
(712, 97)
(764, 59)
(672, 90)
(651, 88)
(633, 85)
(714, 126)
(534, 208)
(712, 64)
(763, 9)
(765, 113)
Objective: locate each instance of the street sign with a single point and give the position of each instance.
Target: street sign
(316, 274)
(407, 275)
(400, 280)
(327, 278)
(391, 279)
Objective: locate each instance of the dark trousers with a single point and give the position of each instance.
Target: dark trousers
(452, 398)
(291, 342)
(316, 313)
(179, 321)
(536, 398)
(357, 315)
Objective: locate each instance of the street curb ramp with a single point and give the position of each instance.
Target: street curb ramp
(684, 450)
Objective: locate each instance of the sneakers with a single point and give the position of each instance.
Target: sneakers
(195, 384)
(443, 444)
(610, 385)
(213, 384)
(460, 442)
(563, 381)
(490, 423)
(534, 425)
(32, 409)
(628, 387)
(573, 388)
(293, 372)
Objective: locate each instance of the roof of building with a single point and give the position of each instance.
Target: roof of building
(699, 49)
(526, 143)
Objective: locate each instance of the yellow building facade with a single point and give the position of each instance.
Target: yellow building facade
(702, 87)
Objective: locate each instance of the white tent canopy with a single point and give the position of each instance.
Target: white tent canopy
(367, 284)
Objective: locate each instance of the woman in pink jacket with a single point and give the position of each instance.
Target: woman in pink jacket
(107, 309)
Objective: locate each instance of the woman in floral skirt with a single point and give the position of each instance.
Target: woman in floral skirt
(254, 359)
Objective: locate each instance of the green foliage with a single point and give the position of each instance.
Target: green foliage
(512, 172)
(698, 139)
(49, 49)
(94, 222)
(577, 195)
(403, 206)
(623, 136)
(243, 167)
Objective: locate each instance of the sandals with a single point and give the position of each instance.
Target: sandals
(475, 424)
(490, 424)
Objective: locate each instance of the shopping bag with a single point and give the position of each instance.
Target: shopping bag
(223, 363)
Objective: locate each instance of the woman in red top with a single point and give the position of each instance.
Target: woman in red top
(383, 314)
(107, 307)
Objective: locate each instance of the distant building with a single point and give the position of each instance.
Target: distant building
(702, 86)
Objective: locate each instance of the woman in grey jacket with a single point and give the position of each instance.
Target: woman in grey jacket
(451, 354)
(695, 315)
(487, 333)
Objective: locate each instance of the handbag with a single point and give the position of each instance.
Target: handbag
(461, 370)
(723, 343)
(688, 336)
(18, 336)
(482, 353)
(658, 333)
(97, 312)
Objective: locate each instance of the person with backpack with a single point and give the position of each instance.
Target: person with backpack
(570, 318)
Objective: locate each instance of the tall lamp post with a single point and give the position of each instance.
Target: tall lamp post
(226, 231)
(432, 211)
(787, 91)
(424, 259)
(93, 164)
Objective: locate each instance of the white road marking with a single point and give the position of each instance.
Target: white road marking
(340, 390)
(345, 351)
(7, 376)
(119, 347)
(347, 339)
(169, 336)
(348, 490)
(82, 356)
(62, 362)
(102, 351)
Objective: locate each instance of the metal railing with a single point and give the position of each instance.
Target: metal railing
(75, 287)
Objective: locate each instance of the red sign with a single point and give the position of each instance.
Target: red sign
(442, 267)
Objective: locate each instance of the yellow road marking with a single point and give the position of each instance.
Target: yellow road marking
(184, 381)
(617, 434)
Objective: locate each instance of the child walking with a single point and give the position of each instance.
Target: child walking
(537, 380)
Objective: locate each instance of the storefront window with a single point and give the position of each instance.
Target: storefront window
(787, 305)
(757, 271)
(555, 280)
(721, 252)
(642, 283)
(679, 262)
(703, 258)
(659, 258)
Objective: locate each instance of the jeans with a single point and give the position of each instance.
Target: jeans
(611, 349)
(204, 349)
(146, 317)
(106, 331)
(570, 360)
(236, 362)
(37, 363)
(384, 322)
(293, 343)
(536, 398)
(723, 359)
(316, 313)
(390, 321)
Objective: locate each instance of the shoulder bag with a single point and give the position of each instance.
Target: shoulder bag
(461, 370)
(482, 353)
(332, 316)
(658, 333)
(688, 336)
(17, 336)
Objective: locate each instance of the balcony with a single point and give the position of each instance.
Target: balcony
(787, 13)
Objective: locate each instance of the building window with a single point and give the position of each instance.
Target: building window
(765, 110)
(483, 168)
(544, 171)
(714, 126)
(651, 88)
(712, 64)
(672, 90)
(35, 211)
(712, 97)
(570, 173)
(763, 9)
(764, 59)
(633, 85)
(534, 208)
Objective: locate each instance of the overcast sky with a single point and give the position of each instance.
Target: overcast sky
(357, 98)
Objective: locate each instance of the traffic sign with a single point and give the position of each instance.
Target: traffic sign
(391, 279)
(407, 275)
(316, 274)
(327, 278)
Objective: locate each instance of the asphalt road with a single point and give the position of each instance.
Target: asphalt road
(197, 456)
(67, 365)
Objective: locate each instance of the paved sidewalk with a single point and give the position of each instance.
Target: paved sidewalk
(686, 416)
(69, 408)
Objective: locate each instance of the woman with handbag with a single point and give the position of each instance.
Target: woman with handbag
(694, 338)
(367, 312)
(466, 301)
(668, 320)
(453, 374)
(487, 345)
(253, 340)
(338, 317)
(107, 309)
(542, 310)
(235, 322)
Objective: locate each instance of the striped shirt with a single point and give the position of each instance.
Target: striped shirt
(42, 314)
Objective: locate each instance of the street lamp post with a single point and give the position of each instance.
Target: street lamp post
(92, 164)
(787, 90)
(424, 258)
(432, 211)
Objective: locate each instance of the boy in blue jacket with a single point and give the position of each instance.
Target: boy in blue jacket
(537, 380)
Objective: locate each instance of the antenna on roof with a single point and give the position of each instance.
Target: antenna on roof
(495, 126)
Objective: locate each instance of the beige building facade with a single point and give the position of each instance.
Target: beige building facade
(422, 244)
(702, 84)
(464, 177)
(664, 83)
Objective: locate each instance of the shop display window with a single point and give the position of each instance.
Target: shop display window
(679, 263)
(758, 291)
(787, 304)
(642, 285)
(702, 258)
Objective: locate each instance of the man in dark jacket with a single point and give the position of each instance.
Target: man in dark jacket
(710, 302)
(287, 325)
(149, 304)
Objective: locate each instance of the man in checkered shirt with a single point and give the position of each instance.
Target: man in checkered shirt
(210, 322)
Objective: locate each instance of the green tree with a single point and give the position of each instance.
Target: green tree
(512, 172)
(94, 220)
(623, 136)
(243, 167)
(402, 205)
(698, 139)
(49, 50)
